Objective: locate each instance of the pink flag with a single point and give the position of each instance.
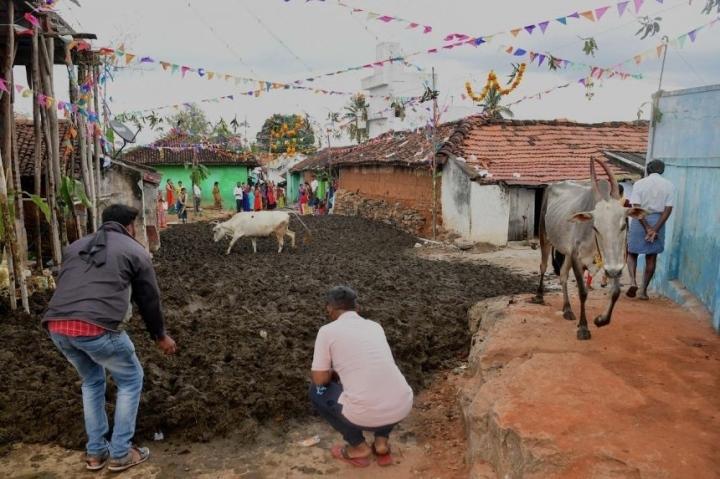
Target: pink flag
(3, 86)
(638, 4)
(432, 50)
(621, 7)
(427, 29)
(599, 12)
(32, 20)
(18, 88)
(184, 70)
(413, 25)
(543, 26)
(386, 18)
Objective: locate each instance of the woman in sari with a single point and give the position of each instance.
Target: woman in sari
(216, 195)
(280, 193)
(182, 205)
(258, 203)
(161, 211)
(271, 200)
(170, 194)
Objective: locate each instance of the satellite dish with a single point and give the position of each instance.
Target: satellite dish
(123, 131)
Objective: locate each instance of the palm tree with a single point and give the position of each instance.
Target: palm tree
(492, 107)
(356, 112)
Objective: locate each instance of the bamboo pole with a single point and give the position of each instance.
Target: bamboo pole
(79, 124)
(37, 133)
(51, 193)
(97, 150)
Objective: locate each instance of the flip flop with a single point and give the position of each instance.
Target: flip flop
(340, 453)
(117, 465)
(101, 461)
(631, 292)
(383, 460)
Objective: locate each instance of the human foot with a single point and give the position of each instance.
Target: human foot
(350, 455)
(136, 455)
(381, 448)
(643, 295)
(632, 291)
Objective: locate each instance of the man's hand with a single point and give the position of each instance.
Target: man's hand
(651, 235)
(167, 345)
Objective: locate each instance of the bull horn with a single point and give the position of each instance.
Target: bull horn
(215, 222)
(593, 180)
(614, 189)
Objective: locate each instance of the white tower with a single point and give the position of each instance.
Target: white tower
(393, 80)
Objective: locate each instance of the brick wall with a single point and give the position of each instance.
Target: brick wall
(406, 192)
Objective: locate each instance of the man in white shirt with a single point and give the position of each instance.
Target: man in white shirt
(238, 197)
(356, 384)
(314, 188)
(197, 196)
(647, 236)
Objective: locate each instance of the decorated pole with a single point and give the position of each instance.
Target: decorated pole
(96, 151)
(37, 159)
(434, 159)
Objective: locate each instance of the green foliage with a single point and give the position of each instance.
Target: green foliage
(553, 63)
(648, 27)
(303, 139)
(191, 121)
(590, 46)
(71, 192)
(356, 112)
(399, 108)
(198, 173)
(492, 108)
(41, 205)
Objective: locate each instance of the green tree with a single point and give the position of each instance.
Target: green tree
(191, 121)
(492, 108)
(356, 112)
(282, 132)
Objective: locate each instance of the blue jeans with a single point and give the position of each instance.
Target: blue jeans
(91, 356)
(325, 402)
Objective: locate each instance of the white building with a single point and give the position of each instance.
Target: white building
(396, 80)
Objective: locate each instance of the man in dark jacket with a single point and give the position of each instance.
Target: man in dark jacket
(101, 273)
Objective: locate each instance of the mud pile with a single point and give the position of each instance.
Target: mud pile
(245, 325)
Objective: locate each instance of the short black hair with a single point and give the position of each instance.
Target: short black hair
(621, 189)
(120, 213)
(341, 297)
(656, 166)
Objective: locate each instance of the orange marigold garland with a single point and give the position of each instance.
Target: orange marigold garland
(492, 82)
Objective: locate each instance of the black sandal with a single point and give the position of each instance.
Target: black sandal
(117, 465)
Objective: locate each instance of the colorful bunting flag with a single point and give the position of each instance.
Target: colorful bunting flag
(621, 7)
(638, 4)
(543, 26)
(589, 15)
(599, 12)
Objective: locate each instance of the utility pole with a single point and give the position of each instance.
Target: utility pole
(656, 104)
(434, 158)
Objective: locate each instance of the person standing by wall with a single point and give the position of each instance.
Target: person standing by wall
(100, 274)
(161, 211)
(182, 205)
(250, 195)
(170, 195)
(217, 197)
(356, 385)
(238, 194)
(647, 236)
(178, 189)
(271, 200)
(197, 197)
(258, 201)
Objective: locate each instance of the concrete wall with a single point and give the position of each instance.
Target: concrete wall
(477, 212)
(226, 175)
(687, 139)
(410, 187)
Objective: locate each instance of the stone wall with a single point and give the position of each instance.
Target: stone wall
(355, 204)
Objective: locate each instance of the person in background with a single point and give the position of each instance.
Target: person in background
(217, 198)
(247, 204)
(258, 203)
(647, 236)
(178, 188)
(197, 197)
(271, 200)
(170, 195)
(238, 193)
(161, 212)
(302, 199)
(101, 273)
(314, 200)
(623, 201)
(250, 199)
(263, 195)
(356, 385)
(182, 205)
(280, 192)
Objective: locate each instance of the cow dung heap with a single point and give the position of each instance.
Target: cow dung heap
(245, 325)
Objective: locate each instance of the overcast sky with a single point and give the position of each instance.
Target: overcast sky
(285, 41)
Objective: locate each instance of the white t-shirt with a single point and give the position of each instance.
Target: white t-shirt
(653, 193)
(314, 185)
(375, 393)
(196, 191)
(238, 193)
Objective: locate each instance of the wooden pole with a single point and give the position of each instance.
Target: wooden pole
(434, 160)
(98, 146)
(79, 123)
(37, 130)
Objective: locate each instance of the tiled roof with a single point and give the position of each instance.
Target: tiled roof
(540, 152)
(404, 148)
(26, 146)
(178, 149)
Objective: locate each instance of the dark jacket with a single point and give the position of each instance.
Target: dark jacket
(96, 278)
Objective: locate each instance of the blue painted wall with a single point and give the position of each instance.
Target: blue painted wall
(687, 139)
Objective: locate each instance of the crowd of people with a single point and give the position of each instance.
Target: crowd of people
(250, 196)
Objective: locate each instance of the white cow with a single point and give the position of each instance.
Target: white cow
(257, 224)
